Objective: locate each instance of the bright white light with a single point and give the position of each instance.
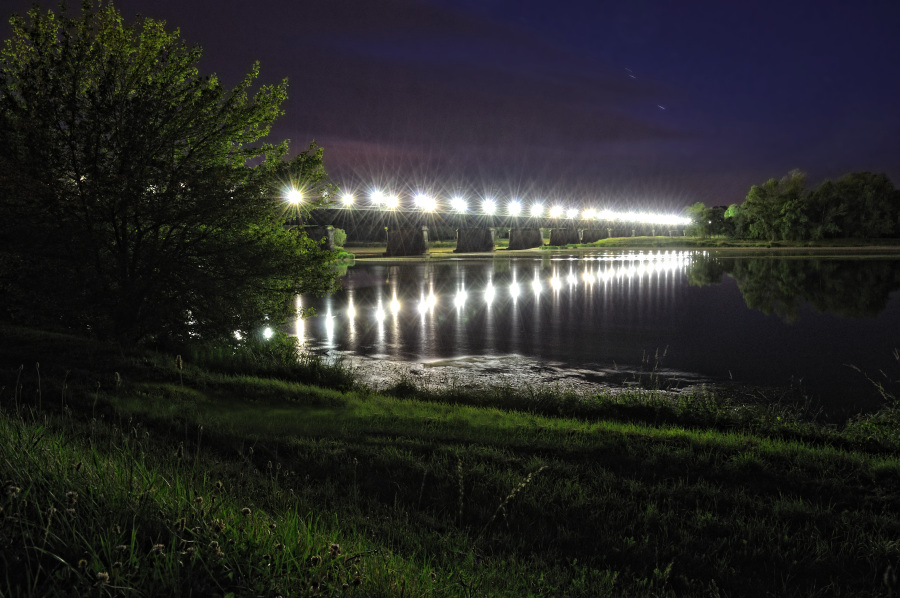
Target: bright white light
(268, 333)
(238, 335)
(536, 285)
(572, 213)
(379, 314)
(351, 311)
(392, 202)
(377, 196)
(555, 284)
(556, 212)
(489, 293)
(514, 290)
(347, 199)
(589, 214)
(571, 279)
(425, 202)
(432, 300)
(459, 204)
(537, 210)
(423, 306)
(514, 208)
(294, 196)
(329, 326)
(460, 299)
(395, 306)
(489, 207)
(588, 277)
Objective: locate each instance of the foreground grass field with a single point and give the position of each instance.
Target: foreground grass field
(220, 473)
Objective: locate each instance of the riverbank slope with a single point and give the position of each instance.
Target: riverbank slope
(249, 474)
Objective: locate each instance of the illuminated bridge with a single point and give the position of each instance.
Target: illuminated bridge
(405, 224)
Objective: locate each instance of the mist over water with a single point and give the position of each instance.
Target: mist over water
(667, 319)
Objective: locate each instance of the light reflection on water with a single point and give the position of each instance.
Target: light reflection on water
(420, 311)
(597, 318)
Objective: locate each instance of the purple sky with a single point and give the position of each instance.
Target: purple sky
(630, 104)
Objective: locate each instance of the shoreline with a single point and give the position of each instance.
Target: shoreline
(377, 253)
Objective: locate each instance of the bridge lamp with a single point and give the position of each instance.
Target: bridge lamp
(377, 197)
(572, 213)
(537, 210)
(458, 204)
(556, 212)
(294, 196)
(347, 199)
(589, 214)
(514, 208)
(268, 333)
(425, 202)
(489, 207)
(392, 202)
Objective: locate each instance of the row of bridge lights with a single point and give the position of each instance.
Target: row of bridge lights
(489, 207)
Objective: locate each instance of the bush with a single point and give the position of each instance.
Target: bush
(340, 237)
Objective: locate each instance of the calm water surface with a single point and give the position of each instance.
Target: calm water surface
(674, 319)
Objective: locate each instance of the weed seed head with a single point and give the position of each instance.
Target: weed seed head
(102, 577)
(334, 550)
(82, 563)
(245, 512)
(72, 497)
(315, 560)
(158, 549)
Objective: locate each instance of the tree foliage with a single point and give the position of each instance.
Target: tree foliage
(860, 205)
(129, 203)
(705, 221)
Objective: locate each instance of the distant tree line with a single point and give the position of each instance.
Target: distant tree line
(858, 205)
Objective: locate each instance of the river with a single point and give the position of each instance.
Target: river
(773, 327)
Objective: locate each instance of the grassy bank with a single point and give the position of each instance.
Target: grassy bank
(232, 474)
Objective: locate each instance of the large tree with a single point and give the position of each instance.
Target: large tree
(136, 199)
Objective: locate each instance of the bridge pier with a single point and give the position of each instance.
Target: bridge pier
(564, 236)
(590, 235)
(470, 240)
(411, 240)
(525, 238)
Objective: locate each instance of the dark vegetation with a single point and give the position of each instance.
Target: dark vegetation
(130, 208)
(222, 472)
(859, 205)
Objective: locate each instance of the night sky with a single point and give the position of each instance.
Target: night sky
(637, 104)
